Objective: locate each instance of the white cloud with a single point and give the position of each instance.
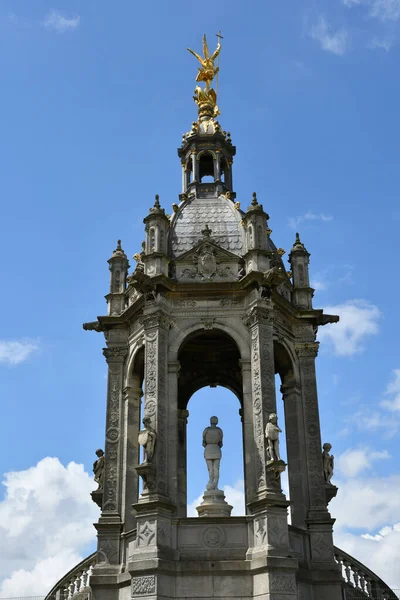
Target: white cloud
(382, 43)
(319, 285)
(59, 22)
(358, 320)
(385, 10)
(16, 351)
(294, 222)
(393, 393)
(373, 420)
(354, 461)
(334, 42)
(46, 522)
(367, 522)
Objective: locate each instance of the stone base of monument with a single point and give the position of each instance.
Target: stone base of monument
(214, 505)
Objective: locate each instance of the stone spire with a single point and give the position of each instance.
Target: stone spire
(118, 265)
(156, 226)
(299, 260)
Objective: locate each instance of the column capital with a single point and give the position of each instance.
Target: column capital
(115, 354)
(259, 315)
(307, 349)
(156, 320)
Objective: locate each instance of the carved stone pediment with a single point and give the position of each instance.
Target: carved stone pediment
(207, 262)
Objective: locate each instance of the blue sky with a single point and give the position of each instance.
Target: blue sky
(95, 98)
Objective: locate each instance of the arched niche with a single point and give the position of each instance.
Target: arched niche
(207, 357)
(224, 404)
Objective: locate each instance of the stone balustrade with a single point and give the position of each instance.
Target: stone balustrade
(361, 582)
(75, 584)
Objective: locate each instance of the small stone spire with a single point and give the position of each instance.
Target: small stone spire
(118, 252)
(157, 206)
(298, 246)
(254, 199)
(118, 265)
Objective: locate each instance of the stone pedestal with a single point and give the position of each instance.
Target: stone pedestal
(214, 505)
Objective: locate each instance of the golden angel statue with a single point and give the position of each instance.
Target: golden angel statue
(207, 71)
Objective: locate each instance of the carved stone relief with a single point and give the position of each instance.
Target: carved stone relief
(212, 537)
(146, 535)
(143, 585)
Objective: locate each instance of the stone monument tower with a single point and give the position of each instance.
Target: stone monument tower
(210, 303)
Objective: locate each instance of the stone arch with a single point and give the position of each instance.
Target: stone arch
(238, 332)
(135, 363)
(208, 357)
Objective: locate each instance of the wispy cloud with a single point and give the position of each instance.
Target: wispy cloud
(358, 320)
(392, 401)
(355, 460)
(57, 21)
(294, 222)
(335, 42)
(385, 10)
(382, 43)
(14, 352)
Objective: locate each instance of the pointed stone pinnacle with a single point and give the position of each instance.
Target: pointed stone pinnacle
(157, 201)
(254, 199)
(119, 245)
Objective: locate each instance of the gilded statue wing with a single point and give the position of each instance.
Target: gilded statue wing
(199, 58)
(205, 47)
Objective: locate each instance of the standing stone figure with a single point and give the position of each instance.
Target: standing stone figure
(328, 462)
(147, 439)
(212, 442)
(272, 432)
(98, 469)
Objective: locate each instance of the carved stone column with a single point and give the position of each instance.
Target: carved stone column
(109, 525)
(156, 327)
(248, 433)
(318, 519)
(307, 353)
(296, 452)
(130, 486)
(260, 323)
(182, 467)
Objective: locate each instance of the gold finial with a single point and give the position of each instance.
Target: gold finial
(175, 207)
(237, 205)
(281, 251)
(207, 98)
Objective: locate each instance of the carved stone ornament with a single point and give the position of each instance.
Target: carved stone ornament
(213, 537)
(206, 262)
(307, 349)
(116, 354)
(143, 585)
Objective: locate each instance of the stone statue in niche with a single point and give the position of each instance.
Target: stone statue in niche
(272, 432)
(98, 469)
(147, 439)
(328, 462)
(212, 442)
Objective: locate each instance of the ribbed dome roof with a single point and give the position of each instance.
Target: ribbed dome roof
(221, 217)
